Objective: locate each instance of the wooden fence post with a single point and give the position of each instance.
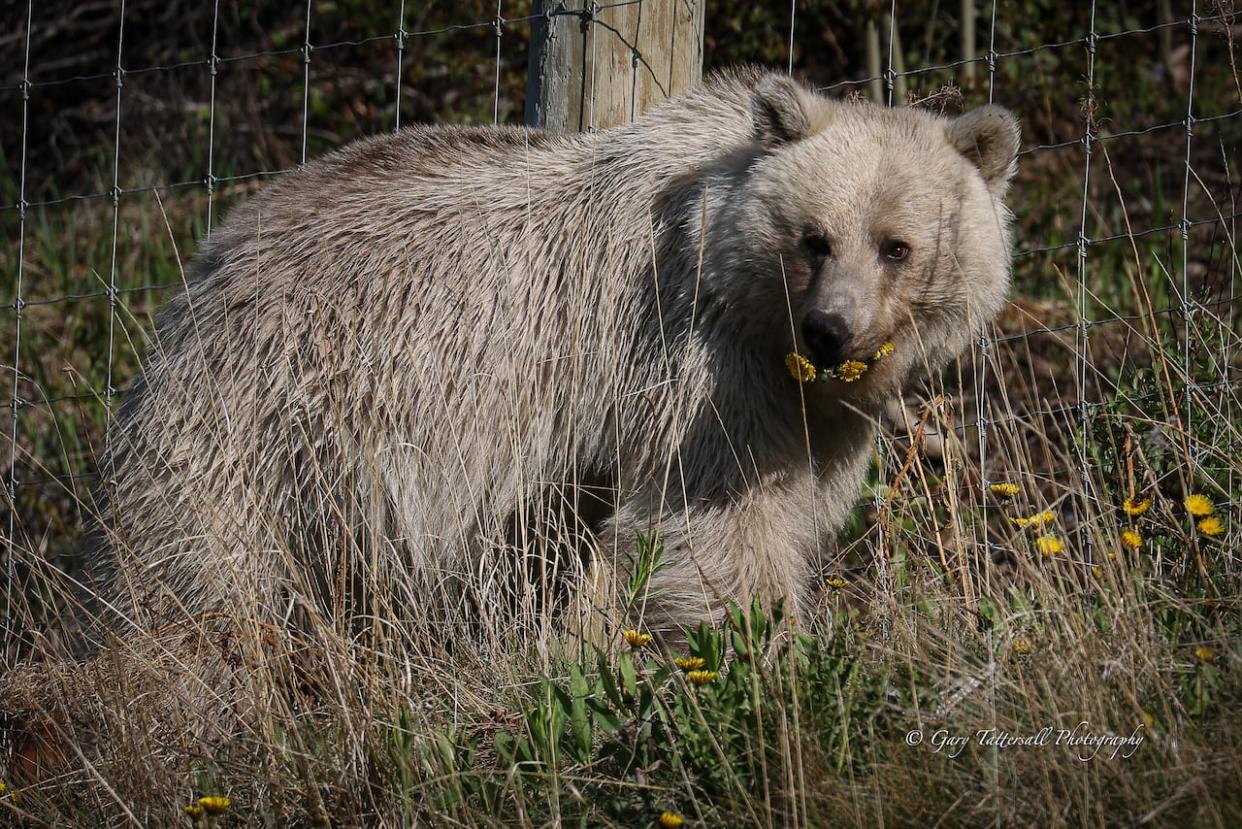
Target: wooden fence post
(595, 65)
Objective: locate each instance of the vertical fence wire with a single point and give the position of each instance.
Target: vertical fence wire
(880, 550)
(793, 17)
(498, 26)
(890, 76)
(589, 30)
(1188, 301)
(400, 38)
(982, 417)
(306, 74)
(1231, 251)
(116, 208)
(821, 533)
(635, 59)
(983, 355)
(214, 71)
(15, 404)
(1082, 329)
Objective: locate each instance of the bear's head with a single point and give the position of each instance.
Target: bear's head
(859, 225)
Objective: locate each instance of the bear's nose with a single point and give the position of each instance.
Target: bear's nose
(827, 335)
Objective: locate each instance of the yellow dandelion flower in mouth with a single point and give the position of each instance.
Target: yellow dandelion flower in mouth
(1211, 526)
(671, 820)
(193, 810)
(637, 639)
(836, 583)
(1005, 490)
(1131, 539)
(1049, 545)
(1205, 654)
(1135, 508)
(1022, 647)
(851, 370)
(214, 804)
(800, 368)
(689, 663)
(1039, 519)
(804, 371)
(1199, 505)
(702, 677)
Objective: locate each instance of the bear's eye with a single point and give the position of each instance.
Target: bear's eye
(894, 250)
(817, 245)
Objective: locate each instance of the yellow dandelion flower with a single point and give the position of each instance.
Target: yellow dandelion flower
(3, 788)
(193, 810)
(1005, 490)
(1022, 647)
(1199, 505)
(851, 370)
(1039, 519)
(637, 639)
(1135, 508)
(836, 583)
(671, 820)
(689, 663)
(702, 677)
(1049, 545)
(1205, 654)
(214, 804)
(886, 348)
(800, 368)
(1131, 539)
(1111, 555)
(1148, 719)
(1211, 526)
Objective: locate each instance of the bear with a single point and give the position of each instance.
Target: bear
(448, 369)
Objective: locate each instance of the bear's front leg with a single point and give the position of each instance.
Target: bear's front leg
(761, 541)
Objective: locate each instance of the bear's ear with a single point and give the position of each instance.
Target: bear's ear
(784, 112)
(989, 138)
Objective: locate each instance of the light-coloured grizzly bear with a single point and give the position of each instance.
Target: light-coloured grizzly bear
(418, 366)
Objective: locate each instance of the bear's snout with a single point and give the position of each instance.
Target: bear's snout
(827, 336)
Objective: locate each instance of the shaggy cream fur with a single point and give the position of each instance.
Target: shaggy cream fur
(457, 362)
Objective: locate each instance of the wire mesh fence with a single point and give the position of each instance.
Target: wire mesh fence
(130, 128)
